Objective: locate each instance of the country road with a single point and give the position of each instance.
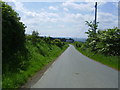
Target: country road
(74, 70)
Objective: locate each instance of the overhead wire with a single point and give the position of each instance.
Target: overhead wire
(91, 15)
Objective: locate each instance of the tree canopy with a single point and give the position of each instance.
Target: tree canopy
(103, 41)
(13, 33)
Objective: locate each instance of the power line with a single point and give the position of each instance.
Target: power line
(91, 14)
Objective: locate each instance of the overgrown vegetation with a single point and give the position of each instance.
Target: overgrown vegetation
(23, 55)
(102, 46)
(13, 38)
(39, 55)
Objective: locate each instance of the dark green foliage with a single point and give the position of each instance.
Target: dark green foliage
(39, 55)
(92, 26)
(111, 61)
(91, 41)
(58, 43)
(47, 40)
(102, 46)
(23, 55)
(43, 44)
(105, 42)
(78, 44)
(13, 37)
(34, 37)
(109, 41)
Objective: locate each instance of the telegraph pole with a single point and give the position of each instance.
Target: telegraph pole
(95, 16)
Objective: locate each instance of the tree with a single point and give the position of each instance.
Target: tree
(35, 33)
(58, 43)
(91, 41)
(35, 37)
(92, 25)
(106, 42)
(13, 36)
(109, 41)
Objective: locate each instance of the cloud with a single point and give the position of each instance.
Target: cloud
(107, 20)
(64, 0)
(33, 15)
(53, 8)
(19, 6)
(61, 26)
(116, 4)
(65, 9)
(65, 23)
(100, 0)
(35, 20)
(81, 6)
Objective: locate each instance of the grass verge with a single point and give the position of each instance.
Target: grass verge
(37, 61)
(111, 61)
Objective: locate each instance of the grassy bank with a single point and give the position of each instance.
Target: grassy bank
(39, 56)
(111, 61)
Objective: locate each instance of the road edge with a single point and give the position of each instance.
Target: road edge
(32, 80)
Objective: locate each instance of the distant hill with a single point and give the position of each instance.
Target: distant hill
(80, 39)
(75, 39)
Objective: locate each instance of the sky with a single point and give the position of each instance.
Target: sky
(65, 19)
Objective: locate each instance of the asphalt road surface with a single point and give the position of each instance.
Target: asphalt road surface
(74, 70)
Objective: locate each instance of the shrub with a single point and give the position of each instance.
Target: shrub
(13, 37)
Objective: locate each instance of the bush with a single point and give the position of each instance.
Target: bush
(78, 44)
(109, 41)
(106, 42)
(13, 37)
(58, 43)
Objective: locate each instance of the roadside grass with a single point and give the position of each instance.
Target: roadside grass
(111, 61)
(36, 62)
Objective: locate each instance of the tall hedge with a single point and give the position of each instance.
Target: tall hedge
(13, 35)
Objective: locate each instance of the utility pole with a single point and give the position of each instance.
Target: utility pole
(95, 17)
